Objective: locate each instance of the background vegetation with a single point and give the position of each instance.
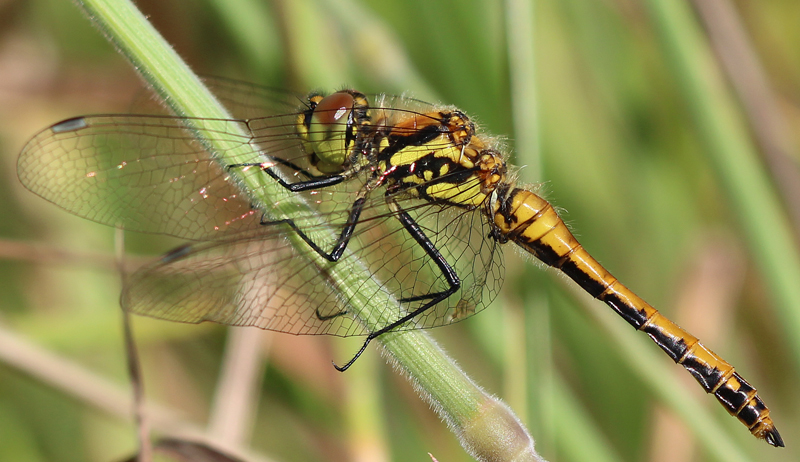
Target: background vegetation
(614, 134)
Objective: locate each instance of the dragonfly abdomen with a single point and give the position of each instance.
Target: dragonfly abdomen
(532, 223)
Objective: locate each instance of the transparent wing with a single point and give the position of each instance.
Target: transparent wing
(149, 173)
(406, 270)
(259, 279)
(145, 173)
(247, 100)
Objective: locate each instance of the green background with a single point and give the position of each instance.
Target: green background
(615, 145)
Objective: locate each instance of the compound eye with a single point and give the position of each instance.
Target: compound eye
(333, 109)
(328, 129)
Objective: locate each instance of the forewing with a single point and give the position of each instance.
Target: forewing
(149, 174)
(243, 100)
(247, 100)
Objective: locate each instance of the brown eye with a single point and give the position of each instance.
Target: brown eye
(328, 130)
(333, 109)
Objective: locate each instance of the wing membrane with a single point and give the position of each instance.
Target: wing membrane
(259, 279)
(255, 280)
(149, 174)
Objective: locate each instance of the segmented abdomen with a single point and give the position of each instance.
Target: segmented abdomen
(531, 222)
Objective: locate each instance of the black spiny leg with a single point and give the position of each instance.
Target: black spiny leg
(277, 160)
(338, 249)
(312, 183)
(344, 237)
(447, 271)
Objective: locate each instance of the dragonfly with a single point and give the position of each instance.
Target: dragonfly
(412, 192)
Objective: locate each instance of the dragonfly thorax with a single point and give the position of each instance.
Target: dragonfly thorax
(438, 157)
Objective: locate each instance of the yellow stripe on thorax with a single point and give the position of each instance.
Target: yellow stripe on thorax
(465, 193)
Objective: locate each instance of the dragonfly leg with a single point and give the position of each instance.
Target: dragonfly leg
(344, 237)
(277, 160)
(355, 356)
(453, 281)
(341, 242)
(313, 181)
(328, 317)
(448, 272)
